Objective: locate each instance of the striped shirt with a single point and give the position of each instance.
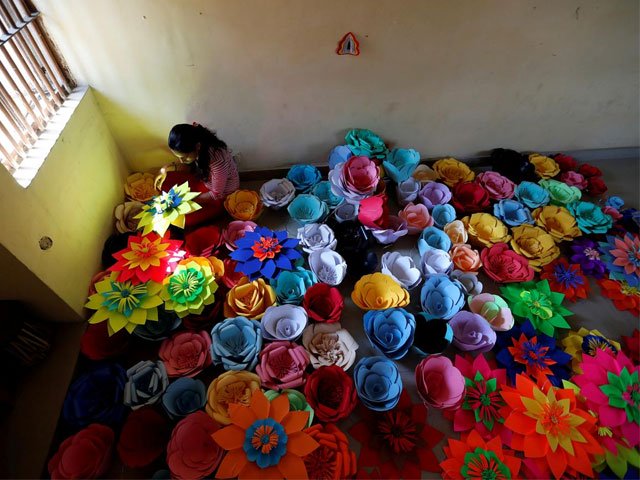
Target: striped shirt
(223, 173)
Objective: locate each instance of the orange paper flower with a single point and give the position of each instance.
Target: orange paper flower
(243, 205)
(333, 460)
(249, 299)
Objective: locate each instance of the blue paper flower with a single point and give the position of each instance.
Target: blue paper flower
(378, 383)
(390, 331)
(146, 383)
(96, 397)
(615, 202)
(339, 154)
(532, 195)
(323, 191)
(400, 163)
(236, 343)
(441, 297)
(366, 143)
(307, 208)
(512, 212)
(291, 286)
(433, 237)
(265, 253)
(304, 177)
(168, 321)
(184, 396)
(443, 214)
(590, 217)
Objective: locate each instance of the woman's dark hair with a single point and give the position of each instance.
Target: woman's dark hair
(183, 138)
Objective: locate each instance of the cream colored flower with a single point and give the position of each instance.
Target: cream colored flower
(329, 344)
(140, 186)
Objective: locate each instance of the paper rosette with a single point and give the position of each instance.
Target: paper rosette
(168, 208)
(329, 344)
(316, 236)
(401, 268)
(378, 291)
(440, 384)
(190, 287)
(277, 193)
(328, 266)
(283, 322)
(378, 383)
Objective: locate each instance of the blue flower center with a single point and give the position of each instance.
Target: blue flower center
(592, 343)
(265, 442)
(567, 277)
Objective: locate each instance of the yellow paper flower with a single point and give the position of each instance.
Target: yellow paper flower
(217, 266)
(378, 291)
(452, 171)
(424, 174)
(485, 230)
(249, 299)
(557, 221)
(234, 386)
(545, 167)
(456, 232)
(190, 287)
(243, 205)
(168, 208)
(536, 245)
(140, 186)
(587, 342)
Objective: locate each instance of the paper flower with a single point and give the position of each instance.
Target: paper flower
(548, 425)
(557, 221)
(522, 350)
(140, 187)
(333, 458)
(87, 454)
(203, 241)
(417, 217)
(485, 229)
(143, 438)
(297, 401)
(167, 322)
(585, 253)
(560, 193)
(596, 186)
(574, 179)
(355, 179)
(232, 387)
(378, 291)
(452, 171)
(316, 236)
(440, 297)
(407, 191)
(168, 208)
(631, 346)
(434, 261)
(190, 287)
(440, 384)
(469, 281)
(283, 322)
(373, 211)
(400, 163)
(192, 453)
(282, 365)
(146, 382)
(566, 278)
(424, 174)
(621, 256)
(378, 383)
(364, 142)
(443, 215)
(565, 162)
(331, 393)
(512, 212)
(243, 205)
(532, 195)
(583, 341)
(545, 167)
(456, 232)
(503, 265)
(397, 443)
(96, 397)
(434, 238)
(97, 344)
(323, 191)
(125, 214)
(534, 244)
(624, 296)
(539, 304)
(497, 186)
(346, 212)
(339, 154)
(588, 171)
(186, 354)
(391, 331)
(235, 343)
(471, 332)
(470, 197)
(277, 193)
(323, 303)
(434, 193)
(230, 278)
(493, 309)
(393, 229)
(306, 208)
(290, 286)
(235, 231)
(329, 344)
(303, 177)
(465, 258)
(249, 299)
(401, 268)
(265, 253)
(328, 266)
(184, 396)
(431, 335)
(123, 304)
(512, 164)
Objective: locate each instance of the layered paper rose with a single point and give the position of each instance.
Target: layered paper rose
(589, 171)
(566, 278)
(316, 236)
(185, 354)
(497, 186)
(587, 342)
(469, 281)
(512, 212)
(307, 208)
(339, 154)
(283, 322)
(329, 344)
(503, 265)
(331, 393)
(532, 195)
(400, 163)
(243, 205)
(407, 191)
(378, 383)
(534, 244)
(235, 231)
(166, 209)
(328, 266)
(373, 212)
(235, 343)
(290, 286)
(470, 197)
(277, 193)
(140, 187)
(456, 232)
(434, 261)
(433, 237)
(190, 287)
(355, 179)
(574, 179)
(440, 297)
(565, 162)
(557, 221)
(590, 217)
(192, 453)
(585, 253)
(282, 365)
(621, 256)
(401, 268)
(323, 303)
(184, 396)
(471, 332)
(417, 217)
(443, 214)
(229, 388)
(332, 459)
(493, 309)
(560, 193)
(364, 142)
(378, 291)
(434, 193)
(303, 177)
(390, 331)
(249, 299)
(203, 241)
(440, 384)
(323, 191)
(452, 171)
(125, 214)
(485, 229)
(545, 167)
(465, 258)
(143, 438)
(596, 186)
(146, 382)
(424, 174)
(431, 336)
(87, 454)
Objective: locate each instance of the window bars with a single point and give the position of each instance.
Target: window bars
(32, 84)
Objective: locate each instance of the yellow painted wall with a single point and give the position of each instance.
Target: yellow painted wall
(70, 200)
(446, 76)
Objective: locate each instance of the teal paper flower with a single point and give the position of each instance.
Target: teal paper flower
(307, 208)
(363, 142)
(590, 217)
(400, 163)
(322, 190)
(290, 286)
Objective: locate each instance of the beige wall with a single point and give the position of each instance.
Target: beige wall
(447, 77)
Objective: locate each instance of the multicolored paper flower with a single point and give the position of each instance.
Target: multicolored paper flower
(264, 253)
(586, 254)
(622, 258)
(586, 342)
(566, 278)
(168, 208)
(624, 296)
(190, 287)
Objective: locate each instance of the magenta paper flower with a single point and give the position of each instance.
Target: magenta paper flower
(282, 365)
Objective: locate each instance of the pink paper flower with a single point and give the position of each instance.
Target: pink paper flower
(574, 179)
(282, 365)
(186, 354)
(498, 186)
(360, 175)
(235, 231)
(417, 217)
(440, 384)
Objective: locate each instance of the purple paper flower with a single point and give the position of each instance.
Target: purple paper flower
(434, 193)
(586, 254)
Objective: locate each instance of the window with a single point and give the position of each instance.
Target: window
(32, 85)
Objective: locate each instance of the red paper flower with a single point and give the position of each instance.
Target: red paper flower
(282, 365)
(596, 186)
(398, 442)
(192, 453)
(504, 265)
(631, 346)
(565, 162)
(588, 171)
(624, 296)
(470, 197)
(143, 437)
(87, 454)
(231, 277)
(203, 241)
(323, 303)
(96, 344)
(331, 393)
(209, 316)
(185, 354)
(374, 212)
(566, 278)
(333, 459)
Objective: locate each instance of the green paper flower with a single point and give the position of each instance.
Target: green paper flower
(560, 192)
(483, 464)
(619, 461)
(538, 303)
(482, 397)
(190, 287)
(123, 304)
(168, 208)
(624, 392)
(297, 401)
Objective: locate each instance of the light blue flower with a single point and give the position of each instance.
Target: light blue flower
(443, 214)
(615, 202)
(339, 154)
(346, 212)
(440, 297)
(304, 177)
(390, 331)
(435, 238)
(366, 143)
(307, 208)
(378, 383)
(236, 343)
(512, 212)
(590, 217)
(184, 396)
(532, 195)
(407, 191)
(322, 190)
(400, 163)
(290, 286)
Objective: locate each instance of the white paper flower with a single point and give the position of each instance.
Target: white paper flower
(402, 269)
(329, 266)
(283, 322)
(316, 236)
(346, 211)
(396, 228)
(435, 260)
(124, 214)
(329, 344)
(407, 191)
(277, 193)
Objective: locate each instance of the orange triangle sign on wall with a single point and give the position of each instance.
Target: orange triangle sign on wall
(348, 45)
